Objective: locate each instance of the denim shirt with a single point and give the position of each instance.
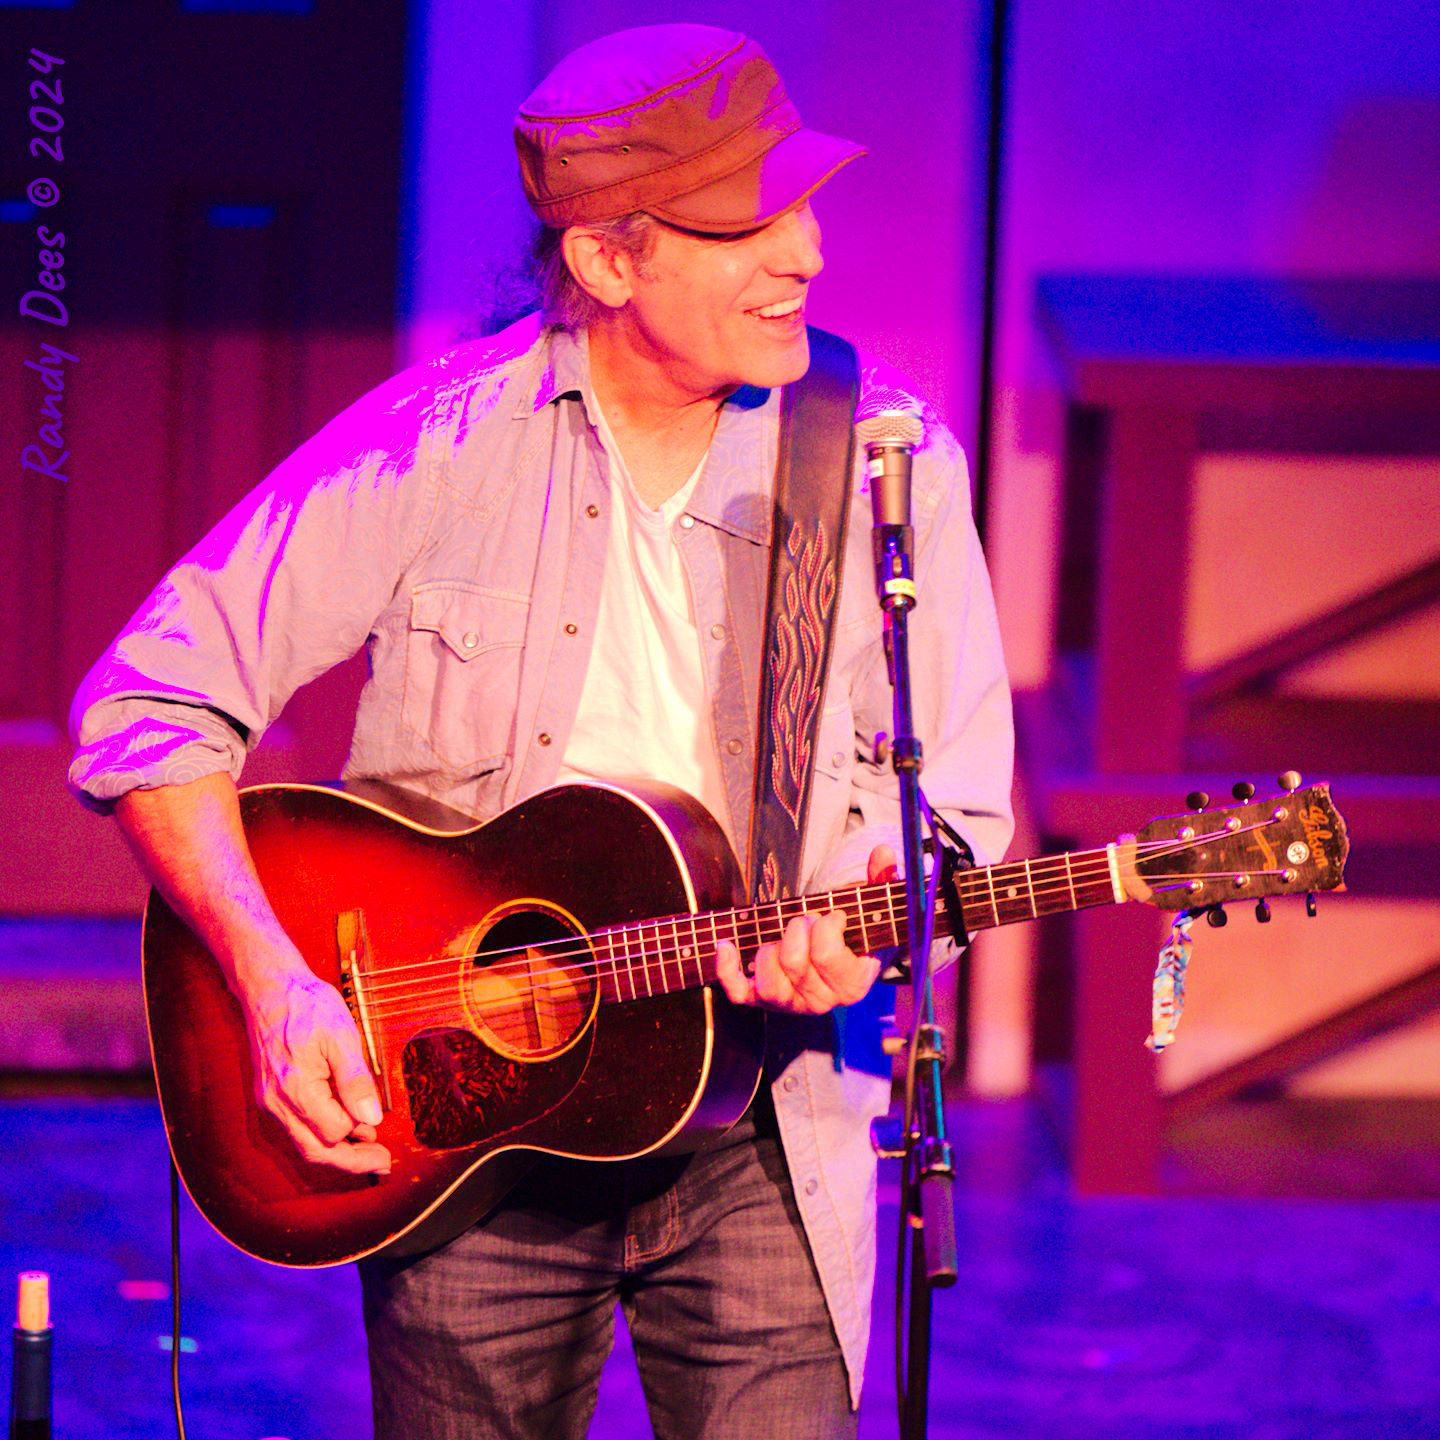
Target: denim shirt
(453, 523)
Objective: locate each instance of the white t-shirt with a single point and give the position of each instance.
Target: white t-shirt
(643, 709)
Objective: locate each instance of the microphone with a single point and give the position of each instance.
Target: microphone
(888, 425)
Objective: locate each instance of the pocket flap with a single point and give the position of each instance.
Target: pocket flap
(469, 618)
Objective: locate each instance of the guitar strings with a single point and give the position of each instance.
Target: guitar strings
(738, 920)
(645, 975)
(432, 1002)
(973, 890)
(968, 884)
(643, 967)
(572, 978)
(1087, 871)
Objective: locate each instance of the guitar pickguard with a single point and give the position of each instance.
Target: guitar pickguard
(462, 1093)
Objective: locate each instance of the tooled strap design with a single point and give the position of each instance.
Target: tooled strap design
(808, 592)
(812, 505)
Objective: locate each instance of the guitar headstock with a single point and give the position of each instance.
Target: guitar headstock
(1293, 844)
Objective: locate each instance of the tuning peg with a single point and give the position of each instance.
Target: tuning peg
(1310, 905)
(1242, 790)
(1197, 799)
(1290, 780)
(1262, 911)
(1217, 917)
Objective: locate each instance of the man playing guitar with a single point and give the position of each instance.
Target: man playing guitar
(552, 543)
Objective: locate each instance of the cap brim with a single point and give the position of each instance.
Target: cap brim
(757, 193)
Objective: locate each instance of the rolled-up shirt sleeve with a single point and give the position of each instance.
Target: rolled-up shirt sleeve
(287, 585)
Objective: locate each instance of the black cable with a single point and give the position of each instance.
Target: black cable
(175, 1297)
(902, 1255)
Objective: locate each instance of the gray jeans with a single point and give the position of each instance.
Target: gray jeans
(504, 1332)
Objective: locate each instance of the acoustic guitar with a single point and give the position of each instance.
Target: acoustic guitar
(543, 982)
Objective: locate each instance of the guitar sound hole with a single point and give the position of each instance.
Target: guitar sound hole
(531, 991)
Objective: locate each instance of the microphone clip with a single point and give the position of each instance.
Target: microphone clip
(894, 578)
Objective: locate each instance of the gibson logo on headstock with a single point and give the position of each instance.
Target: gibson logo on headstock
(1317, 830)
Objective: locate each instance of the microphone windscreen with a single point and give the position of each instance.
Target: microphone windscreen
(888, 417)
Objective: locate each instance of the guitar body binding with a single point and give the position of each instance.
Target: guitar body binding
(478, 995)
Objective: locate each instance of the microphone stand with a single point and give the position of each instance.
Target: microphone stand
(927, 1202)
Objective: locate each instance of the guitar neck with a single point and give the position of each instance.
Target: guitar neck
(677, 952)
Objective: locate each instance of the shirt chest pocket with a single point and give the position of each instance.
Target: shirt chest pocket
(462, 672)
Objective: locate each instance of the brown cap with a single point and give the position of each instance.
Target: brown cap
(687, 122)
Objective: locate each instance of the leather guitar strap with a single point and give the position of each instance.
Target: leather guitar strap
(807, 545)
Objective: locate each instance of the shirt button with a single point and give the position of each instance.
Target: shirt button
(592, 511)
(470, 639)
(687, 522)
(734, 746)
(572, 628)
(790, 1083)
(544, 738)
(811, 1186)
(838, 759)
(717, 632)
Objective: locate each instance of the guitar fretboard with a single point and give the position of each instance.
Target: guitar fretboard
(677, 952)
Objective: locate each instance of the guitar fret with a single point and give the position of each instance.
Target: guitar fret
(630, 963)
(726, 928)
(994, 904)
(1012, 894)
(1030, 889)
(1070, 881)
(756, 938)
(690, 950)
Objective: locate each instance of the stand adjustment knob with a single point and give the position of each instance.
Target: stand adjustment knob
(887, 1137)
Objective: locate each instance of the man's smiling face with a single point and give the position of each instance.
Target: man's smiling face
(725, 311)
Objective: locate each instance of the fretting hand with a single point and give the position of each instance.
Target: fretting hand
(810, 970)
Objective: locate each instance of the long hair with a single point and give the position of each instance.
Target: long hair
(542, 280)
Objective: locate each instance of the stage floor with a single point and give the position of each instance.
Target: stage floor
(1192, 1318)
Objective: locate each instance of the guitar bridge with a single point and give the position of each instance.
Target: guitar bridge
(353, 940)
